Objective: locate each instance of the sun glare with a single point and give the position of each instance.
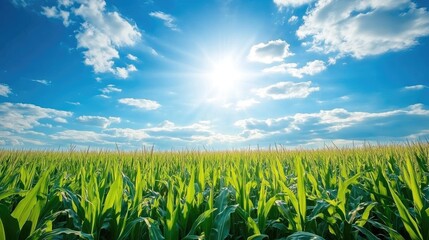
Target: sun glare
(224, 75)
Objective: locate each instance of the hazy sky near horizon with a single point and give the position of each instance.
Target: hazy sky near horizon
(219, 74)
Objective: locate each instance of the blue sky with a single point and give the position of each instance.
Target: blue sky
(219, 74)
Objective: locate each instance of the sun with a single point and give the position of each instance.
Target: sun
(224, 75)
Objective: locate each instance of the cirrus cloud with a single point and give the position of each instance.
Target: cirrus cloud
(169, 20)
(414, 87)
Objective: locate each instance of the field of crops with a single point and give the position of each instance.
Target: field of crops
(368, 193)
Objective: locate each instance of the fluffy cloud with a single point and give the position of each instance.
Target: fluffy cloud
(110, 89)
(140, 103)
(164, 136)
(273, 51)
(169, 21)
(20, 116)
(365, 27)
(123, 73)
(60, 120)
(128, 133)
(132, 57)
(287, 90)
(291, 3)
(13, 139)
(65, 3)
(311, 68)
(54, 12)
(78, 136)
(5, 90)
(102, 122)
(414, 87)
(101, 33)
(338, 123)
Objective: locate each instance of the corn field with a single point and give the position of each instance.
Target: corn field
(375, 192)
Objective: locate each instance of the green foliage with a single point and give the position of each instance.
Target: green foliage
(369, 193)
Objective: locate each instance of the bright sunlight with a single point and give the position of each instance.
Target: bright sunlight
(224, 75)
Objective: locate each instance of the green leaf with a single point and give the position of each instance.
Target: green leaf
(10, 192)
(203, 217)
(222, 223)
(304, 236)
(29, 208)
(57, 232)
(302, 199)
(392, 233)
(365, 215)
(9, 227)
(257, 237)
(409, 222)
(154, 231)
(415, 189)
(368, 234)
(342, 191)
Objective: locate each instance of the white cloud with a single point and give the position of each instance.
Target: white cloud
(200, 132)
(73, 103)
(293, 19)
(244, 104)
(132, 57)
(53, 12)
(169, 21)
(101, 34)
(311, 68)
(123, 73)
(154, 52)
(60, 120)
(338, 123)
(131, 68)
(13, 139)
(414, 87)
(81, 136)
(291, 3)
(273, 51)
(128, 133)
(103, 96)
(42, 81)
(20, 116)
(102, 122)
(110, 89)
(50, 12)
(287, 90)
(5, 90)
(165, 135)
(363, 28)
(140, 103)
(65, 3)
